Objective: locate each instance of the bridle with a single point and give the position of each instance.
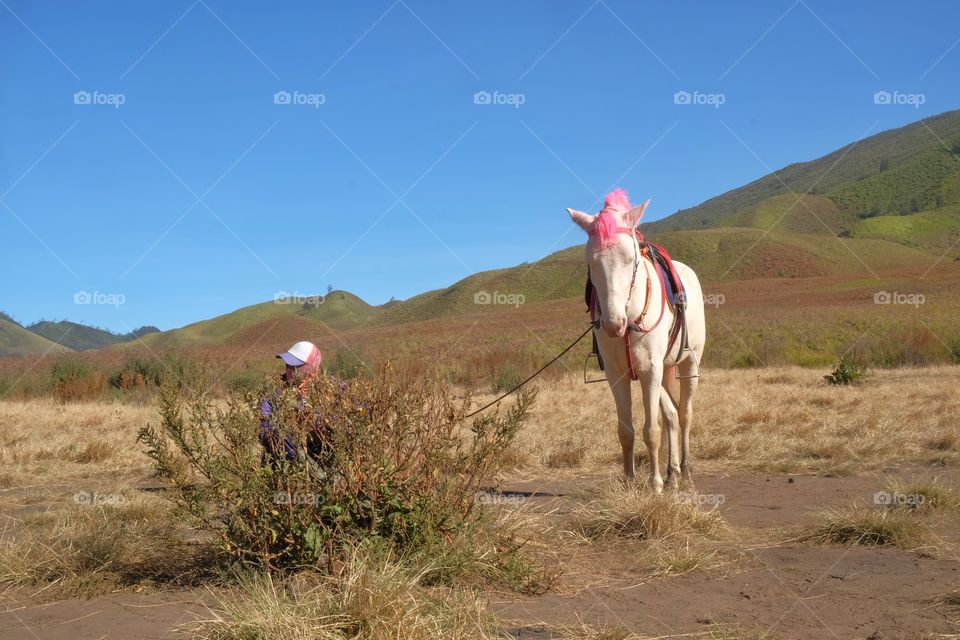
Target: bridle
(637, 325)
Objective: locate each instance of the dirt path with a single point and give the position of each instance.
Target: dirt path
(792, 591)
(788, 591)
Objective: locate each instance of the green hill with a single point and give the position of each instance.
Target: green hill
(888, 202)
(338, 310)
(723, 254)
(559, 275)
(900, 172)
(80, 337)
(715, 254)
(17, 341)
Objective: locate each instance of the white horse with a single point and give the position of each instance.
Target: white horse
(636, 321)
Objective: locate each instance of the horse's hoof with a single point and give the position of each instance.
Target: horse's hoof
(686, 477)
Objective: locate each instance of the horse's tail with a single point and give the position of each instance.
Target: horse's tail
(671, 385)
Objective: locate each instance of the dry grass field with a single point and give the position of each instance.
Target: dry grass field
(820, 512)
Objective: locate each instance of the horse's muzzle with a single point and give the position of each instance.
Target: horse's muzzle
(615, 327)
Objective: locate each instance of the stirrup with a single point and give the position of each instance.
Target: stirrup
(585, 361)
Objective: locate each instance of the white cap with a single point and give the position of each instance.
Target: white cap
(300, 354)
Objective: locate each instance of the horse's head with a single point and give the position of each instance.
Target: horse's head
(612, 255)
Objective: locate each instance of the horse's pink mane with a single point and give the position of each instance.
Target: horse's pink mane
(611, 217)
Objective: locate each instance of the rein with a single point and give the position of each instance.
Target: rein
(592, 326)
(633, 325)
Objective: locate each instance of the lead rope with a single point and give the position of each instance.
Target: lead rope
(535, 374)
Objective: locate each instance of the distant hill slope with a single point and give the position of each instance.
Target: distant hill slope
(338, 310)
(80, 337)
(17, 341)
(903, 171)
(889, 202)
(723, 254)
(715, 254)
(559, 275)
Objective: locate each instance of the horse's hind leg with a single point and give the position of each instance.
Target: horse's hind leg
(688, 387)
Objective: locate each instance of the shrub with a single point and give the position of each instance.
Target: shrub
(247, 380)
(846, 372)
(74, 380)
(507, 379)
(388, 461)
(347, 364)
(138, 372)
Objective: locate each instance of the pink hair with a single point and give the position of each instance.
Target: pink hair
(615, 208)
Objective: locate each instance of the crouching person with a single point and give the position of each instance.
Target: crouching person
(280, 441)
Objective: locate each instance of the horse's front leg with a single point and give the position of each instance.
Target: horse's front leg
(650, 379)
(620, 386)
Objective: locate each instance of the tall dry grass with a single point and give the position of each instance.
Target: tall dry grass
(778, 419)
(44, 442)
(373, 597)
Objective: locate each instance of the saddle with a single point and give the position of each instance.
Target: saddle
(675, 293)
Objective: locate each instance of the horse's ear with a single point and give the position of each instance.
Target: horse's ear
(583, 220)
(633, 217)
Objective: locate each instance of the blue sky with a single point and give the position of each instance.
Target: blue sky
(200, 194)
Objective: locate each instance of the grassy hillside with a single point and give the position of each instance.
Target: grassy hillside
(338, 310)
(17, 341)
(889, 202)
(742, 254)
(717, 255)
(559, 275)
(80, 337)
(929, 229)
(898, 171)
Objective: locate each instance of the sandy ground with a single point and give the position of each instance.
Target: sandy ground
(778, 446)
(786, 590)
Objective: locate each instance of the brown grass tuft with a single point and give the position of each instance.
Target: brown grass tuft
(89, 549)
(374, 598)
(631, 512)
(867, 527)
(96, 451)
